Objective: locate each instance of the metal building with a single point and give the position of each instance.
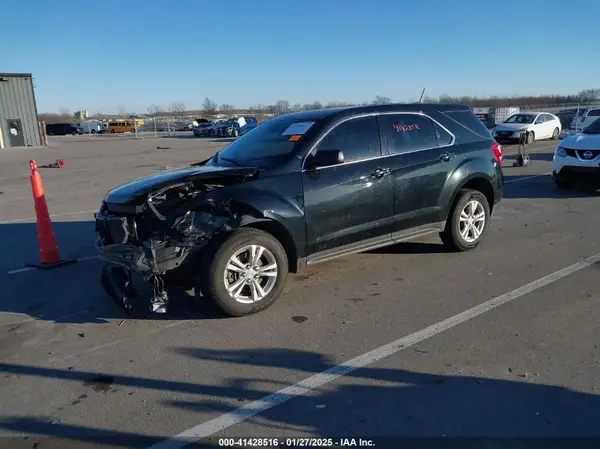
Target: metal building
(19, 124)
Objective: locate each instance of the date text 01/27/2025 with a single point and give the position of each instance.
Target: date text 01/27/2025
(296, 442)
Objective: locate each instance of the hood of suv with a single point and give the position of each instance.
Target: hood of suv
(136, 192)
(582, 142)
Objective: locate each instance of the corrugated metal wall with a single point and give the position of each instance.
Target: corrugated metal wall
(17, 101)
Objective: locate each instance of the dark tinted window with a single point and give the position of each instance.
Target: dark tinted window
(594, 113)
(357, 138)
(594, 128)
(468, 120)
(408, 132)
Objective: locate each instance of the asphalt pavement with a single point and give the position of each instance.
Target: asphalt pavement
(406, 341)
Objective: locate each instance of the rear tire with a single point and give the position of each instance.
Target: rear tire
(216, 280)
(467, 222)
(555, 134)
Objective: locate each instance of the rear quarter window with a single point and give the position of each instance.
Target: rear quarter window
(594, 113)
(467, 126)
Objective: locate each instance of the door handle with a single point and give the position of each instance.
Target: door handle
(380, 172)
(445, 157)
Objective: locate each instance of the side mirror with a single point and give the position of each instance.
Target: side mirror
(325, 158)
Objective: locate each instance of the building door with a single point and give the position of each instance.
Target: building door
(15, 131)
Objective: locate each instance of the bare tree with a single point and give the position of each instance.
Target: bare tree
(282, 107)
(155, 110)
(380, 99)
(65, 112)
(177, 108)
(296, 107)
(227, 109)
(209, 106)
(122, 110)
(589, 95)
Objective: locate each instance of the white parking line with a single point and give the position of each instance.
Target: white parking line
(74, 192)
(527, 177)
(305, 386)
(18, 220)
(533, 150)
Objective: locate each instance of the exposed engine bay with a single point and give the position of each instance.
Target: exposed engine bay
(157, 237)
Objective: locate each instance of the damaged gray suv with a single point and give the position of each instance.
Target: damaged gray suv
(300, 189)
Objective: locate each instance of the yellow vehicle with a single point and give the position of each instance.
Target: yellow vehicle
(124, 126)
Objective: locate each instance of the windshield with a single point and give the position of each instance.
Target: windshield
(520, 118)
(265, 145)
(594, 128)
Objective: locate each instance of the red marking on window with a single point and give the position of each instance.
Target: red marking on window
(401, 128)
(294, 138)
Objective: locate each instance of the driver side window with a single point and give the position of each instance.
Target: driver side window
(357, 138)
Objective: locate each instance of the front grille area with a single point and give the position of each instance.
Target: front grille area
(585, 154)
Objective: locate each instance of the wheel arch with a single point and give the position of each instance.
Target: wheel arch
(282, 235)
(252, 216)
(475, 182)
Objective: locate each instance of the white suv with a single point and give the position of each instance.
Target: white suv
(577, 159)
(586, 117)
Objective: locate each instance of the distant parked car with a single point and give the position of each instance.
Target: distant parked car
(539, 125)
(566, 117)
(91, 127)
(237, 126)
(586, 117)
(63, 129)
(209, 128)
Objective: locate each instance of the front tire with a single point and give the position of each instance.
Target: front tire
(245, 273)
(530, 138)
(468, 221)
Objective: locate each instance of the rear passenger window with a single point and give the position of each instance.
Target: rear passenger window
(594, 113)
(408, 132)
(357, 138)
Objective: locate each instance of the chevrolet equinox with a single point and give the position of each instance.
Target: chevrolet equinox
(297, 190)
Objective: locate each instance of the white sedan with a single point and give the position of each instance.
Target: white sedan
(539, 125)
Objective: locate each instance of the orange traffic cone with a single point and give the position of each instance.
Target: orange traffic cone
(49, 253)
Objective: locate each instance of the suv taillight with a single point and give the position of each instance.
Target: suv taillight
(497, 149)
